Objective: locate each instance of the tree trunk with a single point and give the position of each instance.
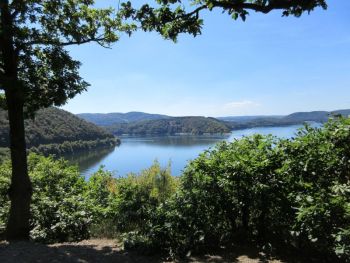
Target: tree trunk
(20, 190)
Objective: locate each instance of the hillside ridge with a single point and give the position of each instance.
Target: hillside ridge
(141, 123)
(55, 130)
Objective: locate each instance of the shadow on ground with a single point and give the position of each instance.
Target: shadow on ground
(100, 250)
(26, 252)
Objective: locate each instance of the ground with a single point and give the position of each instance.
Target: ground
(107, 250)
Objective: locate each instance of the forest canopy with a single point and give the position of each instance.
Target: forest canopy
(57, 131)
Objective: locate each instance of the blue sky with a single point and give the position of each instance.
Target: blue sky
(266, 65)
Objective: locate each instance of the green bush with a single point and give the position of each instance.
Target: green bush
(317, 168)
(232, 192)
(101, 193)
(123, 205)
(265, 191)
(60, 211)
(138, 196)
(65, 207)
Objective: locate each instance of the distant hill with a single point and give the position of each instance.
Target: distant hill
(291, 119)
(172, 126)
(57, 131)
(317, 116)
(107, 119)
(245, 119)
(140, 123)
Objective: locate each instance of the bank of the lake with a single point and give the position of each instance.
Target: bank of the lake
(137, 153)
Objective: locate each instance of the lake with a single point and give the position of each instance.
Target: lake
(137, 153)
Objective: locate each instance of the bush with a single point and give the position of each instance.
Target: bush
(60, 211)
(138, 196)
(317, 167)
(264, 191)
(232, 192)
(101, 193)
(123, 205)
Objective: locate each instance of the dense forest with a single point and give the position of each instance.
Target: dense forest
(172, 126)
(107, 119)
(57, 131)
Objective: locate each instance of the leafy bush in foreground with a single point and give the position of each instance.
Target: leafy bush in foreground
(233, 192)
(60, 212)
(65, 207)
(264, 191)
(317, 168)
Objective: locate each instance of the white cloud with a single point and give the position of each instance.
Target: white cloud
(244, 104)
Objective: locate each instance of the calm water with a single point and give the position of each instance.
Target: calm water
(137, 153)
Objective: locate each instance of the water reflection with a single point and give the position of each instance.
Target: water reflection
(137, 153)
(175, 141)
(88, 159)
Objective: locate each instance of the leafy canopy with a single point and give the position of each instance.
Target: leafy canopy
(40, 30)
(173, 18)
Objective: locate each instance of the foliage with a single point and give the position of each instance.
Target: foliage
(55, 131)
(65, 207)
(101, 193)
(60, 211)
(264, 191)
(171, 126)
(232, 192)
(318, 171)
(139, 195)
(172, 17)
(107, 119)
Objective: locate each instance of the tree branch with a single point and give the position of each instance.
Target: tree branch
(69, 43)
(16, 10)
(239, 5)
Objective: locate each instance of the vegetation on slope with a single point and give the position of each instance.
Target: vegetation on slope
(57, 131)
(107, 119)
(291, 119)
(172, 126)
(140, 123)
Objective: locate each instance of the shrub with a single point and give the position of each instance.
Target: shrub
(317, 167)
(59, 209)
(138, 196)
(101, 193)
(264, 191)
(232, 192)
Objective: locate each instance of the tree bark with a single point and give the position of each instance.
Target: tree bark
(20, 190)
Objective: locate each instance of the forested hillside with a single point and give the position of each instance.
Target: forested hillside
(291, 119)
(57, 131)
(141, 123)
(172, 126)
(107, 119)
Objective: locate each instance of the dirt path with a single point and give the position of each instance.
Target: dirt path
(99, 250)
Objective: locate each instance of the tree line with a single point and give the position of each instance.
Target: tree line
(171, 126)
